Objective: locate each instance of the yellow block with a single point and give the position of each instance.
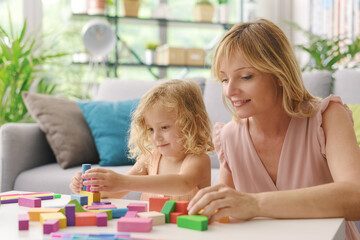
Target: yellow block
(34, 213)
(59, 215)
(92, 197)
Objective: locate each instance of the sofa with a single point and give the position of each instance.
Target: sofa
(28, 163)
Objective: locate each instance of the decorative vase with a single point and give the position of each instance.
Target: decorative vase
(224, 13)
(97, 7)
(149, 56)
(131, 8)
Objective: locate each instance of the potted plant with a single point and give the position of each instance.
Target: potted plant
(150, 52)
(98, 7)
(203, 11)
(223, 11)
(21, 57)
(131, 8)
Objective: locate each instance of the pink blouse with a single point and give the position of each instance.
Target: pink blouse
(153, 170)
(302, 160)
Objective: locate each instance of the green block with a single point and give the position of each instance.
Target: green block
(57, 195)
(107, 211)
(78, 207)
(168, 207)
(195, 222)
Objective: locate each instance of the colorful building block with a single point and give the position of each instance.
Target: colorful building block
(46, 216)
(29, 202)
(181, 206)
(51, 225)
(85, 167)
(223, 220)
(70, 214)
(82, 199)
(174, 215)
(85, 219)
(107, 211)
(134, 224)
(168, 207)
(195, 222)
(98, 207)
(34, 213)
(139, 207)
(157, 217)
(119, 212)
(101, 219)
(92, 197)
(131, 214)
(157, 203)
(23, 222)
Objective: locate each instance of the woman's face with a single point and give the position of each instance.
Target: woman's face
(250, 91)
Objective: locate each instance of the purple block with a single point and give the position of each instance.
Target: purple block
(51, 225)
(101, 219)
(23, 221)
(100, 203)
(46, 197)
(29, 202)
(131, 214)
(70, 214)
(139, 207)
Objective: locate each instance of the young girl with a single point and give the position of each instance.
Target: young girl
(170, 134)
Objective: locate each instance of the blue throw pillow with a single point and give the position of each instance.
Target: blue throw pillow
(109, 124)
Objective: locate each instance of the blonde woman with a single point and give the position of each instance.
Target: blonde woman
(170, 136)
(285, 154)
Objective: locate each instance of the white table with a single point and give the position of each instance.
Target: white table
(255, 229)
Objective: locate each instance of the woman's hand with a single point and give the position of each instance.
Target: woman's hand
(104, 180)
(76, 183)
(220, 201)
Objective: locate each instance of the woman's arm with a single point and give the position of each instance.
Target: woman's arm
(338, 199)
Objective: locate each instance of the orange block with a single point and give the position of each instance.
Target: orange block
(34, 213)
(85, 219)
(224, 220)
(157, 203)
(181, 206)
(174, 215)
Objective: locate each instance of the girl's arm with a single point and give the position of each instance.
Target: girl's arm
(338, 199)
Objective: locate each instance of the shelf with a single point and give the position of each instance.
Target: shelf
(150, 66)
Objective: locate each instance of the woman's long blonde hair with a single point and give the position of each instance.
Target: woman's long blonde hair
(185, 99)
(266, 48)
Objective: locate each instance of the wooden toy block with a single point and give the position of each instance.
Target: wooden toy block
(131, 214)
(85, 219)
(58, 215)
(157, 217)
(139, 207)
(223, 220)
(108, 212)
(174, 215)
(98, 207)
(85, 167)
(168, 207)
(157, 203)
(101, 203)
(195, 222)
(119, 212)
(70, 214)
(101, 219)
(82, 199)
(23, 222)
(181, 206)
(134, 225)
(14, 198)
(92, 197)
(51, 225)
(29, 202)
(34, 213)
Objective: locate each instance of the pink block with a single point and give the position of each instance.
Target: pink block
(139, 207)
(101, 219)
(98, 207)
(51, 225)
(29, 202)
(23, 221)
(131, 214)
(134, 224)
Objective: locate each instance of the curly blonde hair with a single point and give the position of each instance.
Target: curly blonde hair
(265, 47)
(185, 99)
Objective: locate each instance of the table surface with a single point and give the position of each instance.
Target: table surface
(333, 228)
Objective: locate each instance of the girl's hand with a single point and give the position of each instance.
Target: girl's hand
(220, 201)
(104, 180)
(76, 183)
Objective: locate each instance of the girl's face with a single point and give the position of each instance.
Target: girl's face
(164, 134)
(250, 91)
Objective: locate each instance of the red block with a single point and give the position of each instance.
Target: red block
(157, 203)
(29, 202)
(181, 206)
(85, 219)
(174, 215)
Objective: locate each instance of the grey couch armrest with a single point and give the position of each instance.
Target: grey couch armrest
(22, 146)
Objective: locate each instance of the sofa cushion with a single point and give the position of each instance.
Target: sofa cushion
(65, 128)
(347, 85)
(109, 123)
(318, 83)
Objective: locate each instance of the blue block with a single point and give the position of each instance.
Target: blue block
(118, 212)
(82, 199)
(84, 168)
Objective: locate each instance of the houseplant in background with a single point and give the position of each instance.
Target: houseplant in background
(150, 52)
(98, 7)
(20, 70)
(203, 11)
(131, 8)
